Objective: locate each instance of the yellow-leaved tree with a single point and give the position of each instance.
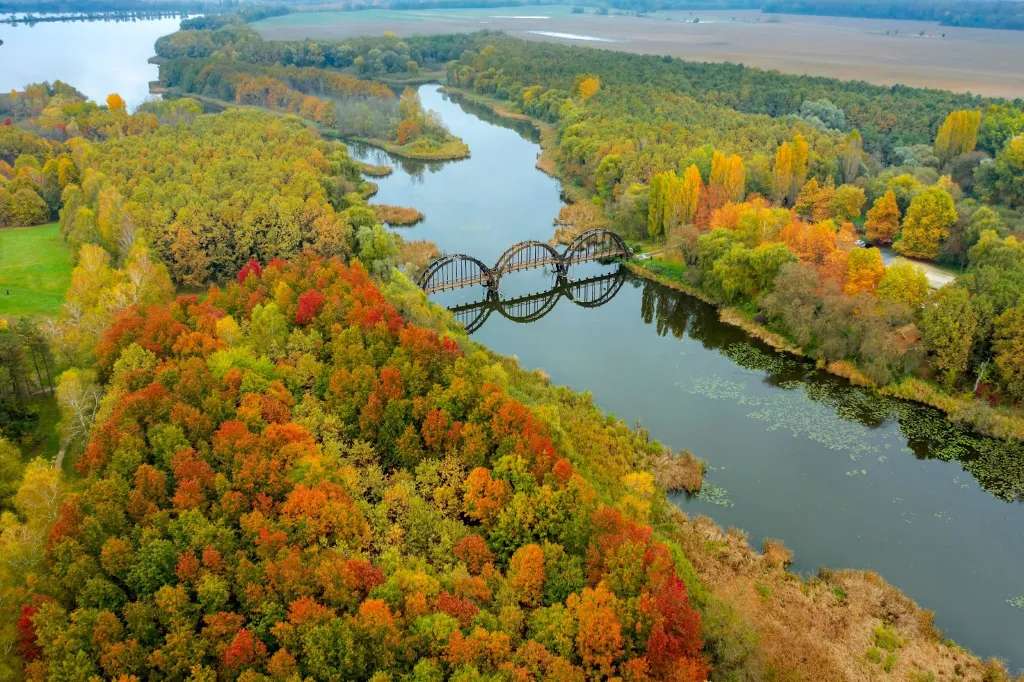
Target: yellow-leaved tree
(689, 195)
(958, 134)
(883, 219)
(116, 103)
(587, 86)
(931, 215)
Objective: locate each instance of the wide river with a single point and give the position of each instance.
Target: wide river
(844, 477)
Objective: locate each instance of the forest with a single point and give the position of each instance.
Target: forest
(286, 477)
(974, 14)
(233, 65)
(764, 198)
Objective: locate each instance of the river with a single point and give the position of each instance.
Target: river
(845, 478)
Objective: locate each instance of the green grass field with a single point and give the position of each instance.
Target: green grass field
(35, 270)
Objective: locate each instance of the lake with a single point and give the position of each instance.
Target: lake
(846, 478)
(97, 57)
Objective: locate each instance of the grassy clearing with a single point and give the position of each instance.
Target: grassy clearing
(35, 270)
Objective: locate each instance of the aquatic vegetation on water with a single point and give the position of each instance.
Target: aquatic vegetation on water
(1016, 602)
(714, 494)
(750, 356)
(789, 411)
(840, 414)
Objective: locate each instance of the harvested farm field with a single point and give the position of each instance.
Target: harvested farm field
(881, 51)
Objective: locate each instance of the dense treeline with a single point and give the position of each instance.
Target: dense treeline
(366, 56)
(886, 117)
(41, 126)
(329, 98)
(27, 370)
(239, 185)
(286, 478)
(617, 137)
(976, 13)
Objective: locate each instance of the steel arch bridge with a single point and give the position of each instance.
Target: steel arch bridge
(591, 292)
(458, 270)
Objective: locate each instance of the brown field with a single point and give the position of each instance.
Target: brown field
(982, 61)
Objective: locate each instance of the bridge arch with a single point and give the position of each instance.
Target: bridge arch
(473, 316)
(526, 255)
(590, 292)
(454, 272)
(595, 244)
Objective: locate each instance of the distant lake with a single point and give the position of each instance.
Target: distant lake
(97, 57)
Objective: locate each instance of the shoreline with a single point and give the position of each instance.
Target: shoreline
(968, 411)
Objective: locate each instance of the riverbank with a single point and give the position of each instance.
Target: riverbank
(545, 161)
(966, 410)
(990, 421)
(845, 624)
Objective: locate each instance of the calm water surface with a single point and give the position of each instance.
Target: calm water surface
(846, 478)
(97, 57)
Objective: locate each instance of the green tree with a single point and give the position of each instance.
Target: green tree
(1003, 180)
(847, 203)
(608, 175)
(377, 248)
(904, 282)
(11, 468)
(948, 325)
(999, 123)
(1008, 350)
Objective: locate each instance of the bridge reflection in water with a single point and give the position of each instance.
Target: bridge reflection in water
(597, 247)
(588, 292)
